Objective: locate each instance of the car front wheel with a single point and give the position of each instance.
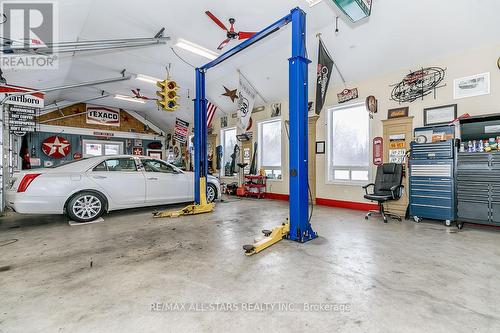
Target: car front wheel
(86, 207)
(211, 192)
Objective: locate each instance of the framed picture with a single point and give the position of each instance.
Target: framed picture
(320, 147)
(223, 122)
(155, 153)
(398, 112)
(475, 85)
(440, 115)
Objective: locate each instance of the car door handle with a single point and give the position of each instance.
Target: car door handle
(152, 178)
(99, 177)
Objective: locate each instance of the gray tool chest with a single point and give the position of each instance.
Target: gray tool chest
(478, 171)
(478, 188)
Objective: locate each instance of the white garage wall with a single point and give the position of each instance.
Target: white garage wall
(465, 64)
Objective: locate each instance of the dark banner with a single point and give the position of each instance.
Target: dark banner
(324, 73)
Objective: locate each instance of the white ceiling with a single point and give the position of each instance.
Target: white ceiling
(400, 34)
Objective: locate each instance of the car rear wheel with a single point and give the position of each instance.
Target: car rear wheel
(86, 207)
(211, 192)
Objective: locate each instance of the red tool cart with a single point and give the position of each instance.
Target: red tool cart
(255, 186)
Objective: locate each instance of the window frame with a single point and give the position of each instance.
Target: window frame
(143, 161)
(103, 144)
(329, 133)
(223, 144)
(260, 148)
(110, 158)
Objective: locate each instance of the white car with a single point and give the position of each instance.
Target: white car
(85, 189)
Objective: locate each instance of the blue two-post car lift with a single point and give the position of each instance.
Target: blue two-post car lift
(298, 228)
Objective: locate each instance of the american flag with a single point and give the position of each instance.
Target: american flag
(211, 108)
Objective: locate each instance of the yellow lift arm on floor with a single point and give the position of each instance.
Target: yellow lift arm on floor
(203, 207)
(272, 237)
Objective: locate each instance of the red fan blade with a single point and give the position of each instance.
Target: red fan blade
(245, 34)
(216, 20)
(224, 43)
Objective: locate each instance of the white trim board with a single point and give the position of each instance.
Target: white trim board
(90, 132)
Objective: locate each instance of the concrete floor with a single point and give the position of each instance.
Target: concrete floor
(396, 277)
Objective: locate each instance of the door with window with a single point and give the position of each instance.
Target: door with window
(100, 148)
(120, 179)
(229, 141)
(165, 184)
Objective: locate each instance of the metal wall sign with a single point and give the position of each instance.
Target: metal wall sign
(378, 150)
(347, 95)
(418, 84)
(26, 100)
(181, 130)
(103, 116)
(21, 119)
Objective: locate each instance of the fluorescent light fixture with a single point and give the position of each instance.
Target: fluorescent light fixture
(130, 99)
(196, 49)
(146, 78)
(313, 2)
(354, 9)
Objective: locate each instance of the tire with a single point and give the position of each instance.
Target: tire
(211, 193)
(86, 206)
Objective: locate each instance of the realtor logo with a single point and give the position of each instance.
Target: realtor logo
(29, 32)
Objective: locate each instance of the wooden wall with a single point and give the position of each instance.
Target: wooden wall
(127, 121)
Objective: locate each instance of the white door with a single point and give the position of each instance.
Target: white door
(164, 183)
(120, 179)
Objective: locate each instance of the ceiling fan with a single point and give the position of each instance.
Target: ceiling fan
(231, 34)
(137, 94)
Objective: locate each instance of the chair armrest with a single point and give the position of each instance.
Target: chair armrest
(396, 191)
(366, 187)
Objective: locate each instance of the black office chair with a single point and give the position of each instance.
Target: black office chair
(387, 187)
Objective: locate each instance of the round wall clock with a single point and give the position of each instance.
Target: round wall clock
(498, 62)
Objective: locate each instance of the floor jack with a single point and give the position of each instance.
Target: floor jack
(193, 209)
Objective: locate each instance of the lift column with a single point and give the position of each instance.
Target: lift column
(300, 228)
(200, 136)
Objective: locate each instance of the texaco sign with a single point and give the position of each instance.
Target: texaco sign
(103, 116)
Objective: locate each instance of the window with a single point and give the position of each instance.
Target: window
(117, 164)
(270, 148)
(229, 141)
(157, 166)
(100, 148)
(348, 144)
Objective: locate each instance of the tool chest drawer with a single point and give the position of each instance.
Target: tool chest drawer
(473, 210)
(439, 150)
(473, 161)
